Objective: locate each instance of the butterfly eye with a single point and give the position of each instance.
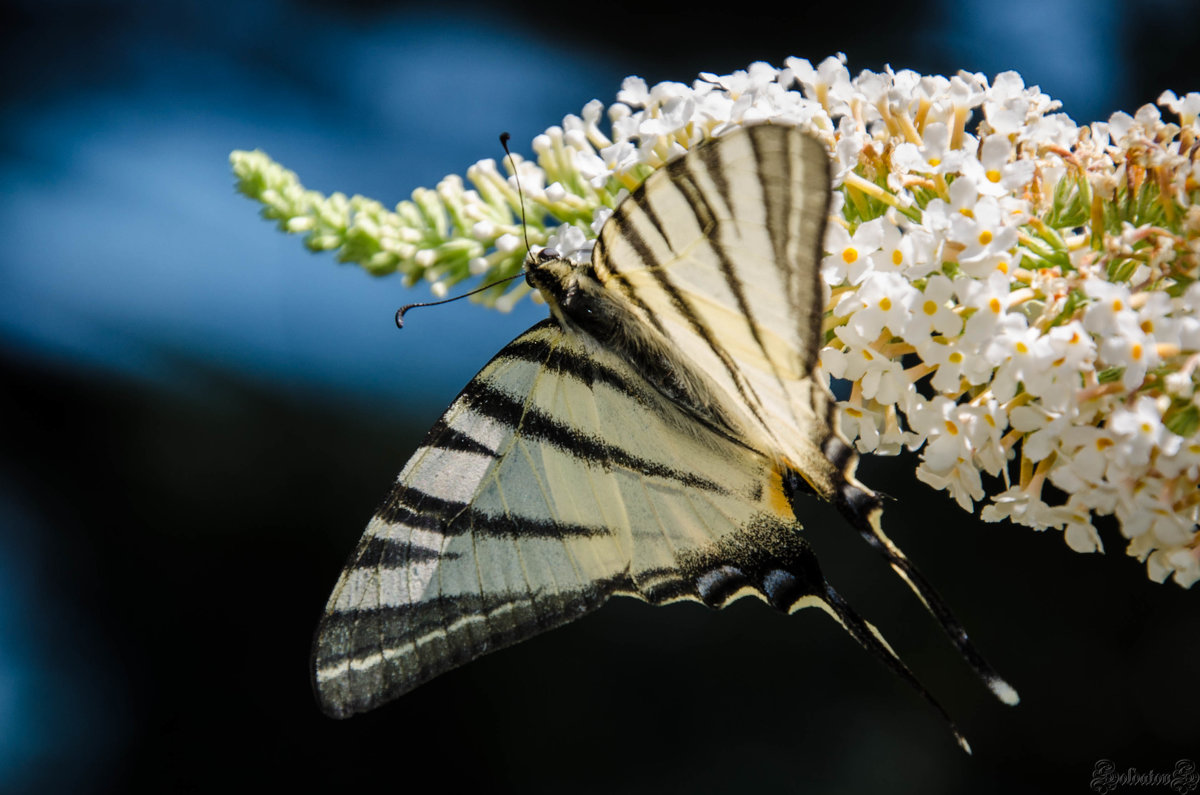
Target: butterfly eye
(547, 254)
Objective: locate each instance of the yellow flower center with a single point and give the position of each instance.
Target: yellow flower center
(985, 237)
(897, 256)
(850, 255)
(992, 175)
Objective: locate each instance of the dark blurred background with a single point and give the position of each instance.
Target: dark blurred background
(198, 417)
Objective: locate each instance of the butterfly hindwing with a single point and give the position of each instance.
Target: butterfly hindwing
(717, 257)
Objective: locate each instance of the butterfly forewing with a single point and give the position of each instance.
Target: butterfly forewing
(558, 477)
(720, 253)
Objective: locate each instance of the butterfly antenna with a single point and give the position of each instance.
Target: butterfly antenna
(520, 195)
(504, 138)
(400, 312)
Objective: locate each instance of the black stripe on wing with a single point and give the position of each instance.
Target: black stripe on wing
(442, 437)
(494, 403)
(778, 193)
(385, 552)
(716, 172)
(367, 657)
(679, 177)
(415, 509)
(399, 626)
(777, 198)
(622, 223)
(561, 360)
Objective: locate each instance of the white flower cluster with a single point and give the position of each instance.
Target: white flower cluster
(1015, 297)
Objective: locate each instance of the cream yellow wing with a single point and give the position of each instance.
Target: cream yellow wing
(557, 478)
(719, 252)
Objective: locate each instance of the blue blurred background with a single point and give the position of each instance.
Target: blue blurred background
(197, 417)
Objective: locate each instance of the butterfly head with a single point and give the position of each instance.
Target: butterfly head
(577, 299)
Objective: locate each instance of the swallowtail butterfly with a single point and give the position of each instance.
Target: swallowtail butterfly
(648, 439)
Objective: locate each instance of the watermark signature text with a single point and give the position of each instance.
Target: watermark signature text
(1107, 778)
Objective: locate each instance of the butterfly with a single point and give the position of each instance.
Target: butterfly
(652, 438)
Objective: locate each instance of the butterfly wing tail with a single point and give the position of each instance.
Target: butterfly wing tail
(791, 593)
(863, 509)
(777, 562)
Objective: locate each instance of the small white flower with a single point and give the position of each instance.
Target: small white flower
(1138, 431)
(634, 92)
(1007, 104)
(984, 231)
(860, 426)
(955, 359)
(884, 302)
(828, 83)
(930, 310)
(962, 481)
(1079, 532)
(849, 258)
(946, 443)
(989, 299)
(1071, 353)
(1130, 349)
(996, 173)
(934, 156)
(940, 214)
(1024, 357)
(1044, 429)
(1187, 108)
(1185, 562)
(1023, 506)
